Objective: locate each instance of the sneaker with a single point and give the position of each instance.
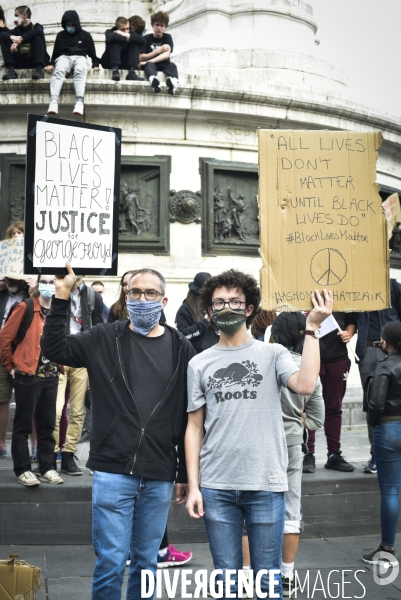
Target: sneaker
(155, 83)
(132, 76)
(28, 479)
(289, 586)
(337, 462)
(309, 465)
(85, 437)
(78, 109)
(34, 455)
(173, 558)
(172, 85)
(376, 557)
(115, 74)
(11, 74)
(3, 453)
(371, 466)
(53, 108)
(38, 73)
(51, 477)
(36, 471)
(68, 464)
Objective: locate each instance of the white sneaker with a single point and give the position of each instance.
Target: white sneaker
(53, 108)
(51, 477)
(172, 84)
(78, 109)
(28, 478)
(155, 83)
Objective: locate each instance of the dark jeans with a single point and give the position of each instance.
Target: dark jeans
(168, 68)
(387, 443)
(18, 60)
(121, 56)
(366, 369)
(34, 395)
(334, 383)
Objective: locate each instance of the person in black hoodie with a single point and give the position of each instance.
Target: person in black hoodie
(192, 321)
(122, 50)
(24, 47)
(72, 47)
(138, 375)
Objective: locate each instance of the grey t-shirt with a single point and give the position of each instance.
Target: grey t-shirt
(244, 444)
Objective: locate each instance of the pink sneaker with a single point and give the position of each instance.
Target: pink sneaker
(173, 558)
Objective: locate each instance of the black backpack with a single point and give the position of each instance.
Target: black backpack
(26, 322)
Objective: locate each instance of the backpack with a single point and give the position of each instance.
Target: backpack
(25, 324)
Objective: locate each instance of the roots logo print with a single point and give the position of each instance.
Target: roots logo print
(245, 373)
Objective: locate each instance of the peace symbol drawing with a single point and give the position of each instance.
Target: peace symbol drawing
(328, 267)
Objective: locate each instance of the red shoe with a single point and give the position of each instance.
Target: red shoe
(173, 558)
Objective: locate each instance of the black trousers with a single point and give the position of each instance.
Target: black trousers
(168, 68)
(18, 60)
(121, 56)
(34, 394)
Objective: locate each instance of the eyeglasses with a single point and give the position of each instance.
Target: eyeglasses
(135, 294)
(43, 282)
(220, 304)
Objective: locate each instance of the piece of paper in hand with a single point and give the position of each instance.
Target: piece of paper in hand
(328, 325)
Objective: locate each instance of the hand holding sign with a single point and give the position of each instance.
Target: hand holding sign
(64, 283)
(322, 308)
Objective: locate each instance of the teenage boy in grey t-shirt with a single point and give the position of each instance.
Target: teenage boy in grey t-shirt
(235, 444)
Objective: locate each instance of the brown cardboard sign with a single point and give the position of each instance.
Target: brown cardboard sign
(18, 579)
(321, 220)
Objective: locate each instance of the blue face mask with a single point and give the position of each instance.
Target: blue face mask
(144, 316)
(47, 290)
(70, 29)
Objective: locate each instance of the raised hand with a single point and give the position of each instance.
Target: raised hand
(322, 308)
(64, 283)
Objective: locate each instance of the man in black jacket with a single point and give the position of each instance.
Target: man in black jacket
(122, 50)
(138, 374)
(85, 311)
(72, 47)
(24, 47)
(16, 291)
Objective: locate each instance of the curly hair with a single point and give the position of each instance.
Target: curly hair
(263, 319)
(391, 333)
(232, 280)
(159, 17)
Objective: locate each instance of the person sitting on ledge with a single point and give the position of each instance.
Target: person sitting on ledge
(159, 46)
(72, 47)
(24, 47)
(122, 50)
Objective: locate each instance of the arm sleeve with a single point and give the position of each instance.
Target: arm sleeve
(98, 311)
(377, 395)
(350, 319)
(185, 324)
(181, 468)
(92, 51)
(169, 41)
(9, 333)
(111, 36)
(285, 366)
(36, 30)
(314, 408)
(196, 393)
(56, 50)
(112, 315)
(70, 350)
(5, 35)
(136, 39)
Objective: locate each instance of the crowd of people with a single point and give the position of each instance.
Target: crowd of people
(74, 52)
(225, 404)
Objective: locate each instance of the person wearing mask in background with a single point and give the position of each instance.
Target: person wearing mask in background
(192, 321)
(16, 291)
(299, 411)
(72, 47)
(35, 381)
(84, 311)
(138, 370)
(383, 398)
(368, 349)
(334, 370)
(98, 286)
(122, 50)
(24, 47)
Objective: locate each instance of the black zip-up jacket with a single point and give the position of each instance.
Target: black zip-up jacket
(383, 390)
(120, 442)
(134, 38)
(201, 334)
(79, 43)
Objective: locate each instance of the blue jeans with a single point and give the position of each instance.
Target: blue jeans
(264, 513)
(129, 515)
(388, 459)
